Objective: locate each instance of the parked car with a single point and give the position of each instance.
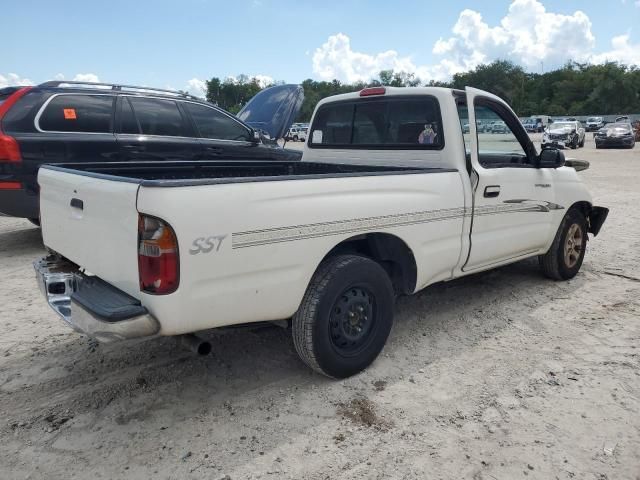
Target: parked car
(297, 134)
(536, 124)
(594, 123)
(381, 205)
(622, 119)
(619, 134)
(465, 127)
(564, 134)
(71, 122)
(498, 127)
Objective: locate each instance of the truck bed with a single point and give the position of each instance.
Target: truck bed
(180, 174)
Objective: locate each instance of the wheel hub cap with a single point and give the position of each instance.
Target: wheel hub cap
(573, 245)
(351, 320)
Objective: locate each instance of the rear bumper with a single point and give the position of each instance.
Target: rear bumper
(19, 203)
(91, 306)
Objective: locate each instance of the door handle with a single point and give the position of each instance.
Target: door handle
(77, 203)
(491, 191)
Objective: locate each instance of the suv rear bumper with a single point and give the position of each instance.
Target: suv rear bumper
(90, 305)
(19, 203)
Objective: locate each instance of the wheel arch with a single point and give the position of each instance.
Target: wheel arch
(390, 251)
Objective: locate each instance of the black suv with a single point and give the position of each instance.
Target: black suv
(72, 122)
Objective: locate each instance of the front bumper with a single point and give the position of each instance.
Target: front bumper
(614, 141)
(91, 306)
(554, 143)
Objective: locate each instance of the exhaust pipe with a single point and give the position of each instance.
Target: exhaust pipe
(195, 344)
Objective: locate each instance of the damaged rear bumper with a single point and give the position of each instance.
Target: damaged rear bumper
(90, 305)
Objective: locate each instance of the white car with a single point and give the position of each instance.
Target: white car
(297, 134)
(564, 134)
(388, 199)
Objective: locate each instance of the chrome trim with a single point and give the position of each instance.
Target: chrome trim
(58, 279)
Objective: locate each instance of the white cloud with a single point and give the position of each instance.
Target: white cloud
(13, 80)
(197, 87)
(86, 77)
(622, 51)
(527, 35)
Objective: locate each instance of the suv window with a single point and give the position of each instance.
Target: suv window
(214, 124)
(158, 117)
(78, 113)
(407, 122)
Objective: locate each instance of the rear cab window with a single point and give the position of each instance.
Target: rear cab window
(78, 113)
(405, 122)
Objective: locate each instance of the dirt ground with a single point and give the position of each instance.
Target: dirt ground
(500, 375)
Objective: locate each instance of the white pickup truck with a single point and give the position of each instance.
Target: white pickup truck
(390, 197)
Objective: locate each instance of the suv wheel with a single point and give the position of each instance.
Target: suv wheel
(345, 316)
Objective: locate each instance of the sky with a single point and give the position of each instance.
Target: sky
(169, 44)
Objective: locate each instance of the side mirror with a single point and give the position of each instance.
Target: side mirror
(257, 138)
(551, 158)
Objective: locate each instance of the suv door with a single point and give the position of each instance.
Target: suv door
(514, 207)
(223, 137)
(74, 127)
(152, 128)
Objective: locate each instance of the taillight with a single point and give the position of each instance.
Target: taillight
(9, 149)
(366, 92)
(158, 260)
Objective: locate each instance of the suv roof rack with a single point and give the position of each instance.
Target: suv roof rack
(117, 87)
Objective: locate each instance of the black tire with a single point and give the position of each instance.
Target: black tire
(581, 145)
(324, 333)
(35, 221)
(555, 263)
(295, 138)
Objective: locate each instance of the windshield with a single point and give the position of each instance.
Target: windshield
(563, 125)
(622, 126)
(594, 119)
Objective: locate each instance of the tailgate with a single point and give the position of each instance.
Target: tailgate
(93, 222)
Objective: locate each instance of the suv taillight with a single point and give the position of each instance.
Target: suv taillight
(158, 260)
(9, 149)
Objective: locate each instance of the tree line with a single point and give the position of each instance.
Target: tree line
(575, 89)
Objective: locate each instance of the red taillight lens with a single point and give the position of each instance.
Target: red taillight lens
(158, 260)
(10, 185)
(9, 149)
(366, 92)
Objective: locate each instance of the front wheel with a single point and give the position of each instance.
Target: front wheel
(345, 316)
(564, 258)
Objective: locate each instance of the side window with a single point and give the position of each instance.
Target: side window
(214, 124)
(159, 117)
(78, 113)
(498, 146)
(412, 123)
(128, 121)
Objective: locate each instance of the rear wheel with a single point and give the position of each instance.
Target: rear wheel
(345, 316)
(564, 258)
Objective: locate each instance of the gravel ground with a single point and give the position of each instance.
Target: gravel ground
(500, 375)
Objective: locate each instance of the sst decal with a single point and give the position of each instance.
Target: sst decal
(207, 244)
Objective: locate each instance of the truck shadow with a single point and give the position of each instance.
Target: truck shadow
(248, 362)
(21, 241)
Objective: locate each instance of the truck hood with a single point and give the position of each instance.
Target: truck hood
(273, 110)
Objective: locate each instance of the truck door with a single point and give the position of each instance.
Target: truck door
(513, 200)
